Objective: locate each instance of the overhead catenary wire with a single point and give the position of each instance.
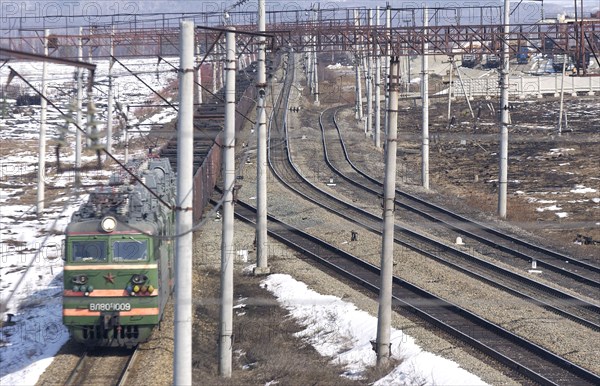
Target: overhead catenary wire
(135, 74)
(174, 106)
(5, 303)
(216, 97)
(109, 154)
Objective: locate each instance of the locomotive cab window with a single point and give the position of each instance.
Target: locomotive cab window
(129, 249)
(89, 250)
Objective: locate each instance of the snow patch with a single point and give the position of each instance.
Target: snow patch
(550, 208)
(339, 330)
(31, 247)
(338, 66)
(580, 189)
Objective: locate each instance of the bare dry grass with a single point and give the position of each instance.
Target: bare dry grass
(10, 146)
(265, 348)
(464, 168)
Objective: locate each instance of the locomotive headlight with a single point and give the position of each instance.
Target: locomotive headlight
(79, 279)
(139, 279)
(108, 224)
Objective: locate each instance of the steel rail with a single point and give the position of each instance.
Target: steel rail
(526, 358)
(128, 368)
(77, 370)
(559, 299)
(561, 264)
(86, 363)
(573, 308)
(476, 342)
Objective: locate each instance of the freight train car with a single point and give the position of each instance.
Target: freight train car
(118, 271)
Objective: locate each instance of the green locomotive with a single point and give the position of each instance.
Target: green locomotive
(118, 271)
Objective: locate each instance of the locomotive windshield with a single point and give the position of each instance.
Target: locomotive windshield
(130, 250)
(117, 249)
(89, 250)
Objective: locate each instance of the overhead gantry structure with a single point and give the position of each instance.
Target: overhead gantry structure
(451, 31)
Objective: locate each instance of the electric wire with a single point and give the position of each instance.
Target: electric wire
(104, 150)
(215, 96)
(5, 303)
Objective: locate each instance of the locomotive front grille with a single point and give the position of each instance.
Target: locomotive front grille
(96, 332)
(127, 332)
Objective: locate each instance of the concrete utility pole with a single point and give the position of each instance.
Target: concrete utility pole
(198, 75)
(425, 100)
(262, 247)
(316, 73)
(90, 103)
(562, 94)
(109, 120)
(126, 155)
(79, 116)
(214, 70)
(464, 90)
(357, 59)
(42, 143)
(376, 133)
(315, 60)
(388, 25)
(227, 250)
(309, 65)
(504, 117)
(359, 106)
(377, 124)
(369, 79)
(223, 75)
(383, 344)
(451, 58)
(182, 359)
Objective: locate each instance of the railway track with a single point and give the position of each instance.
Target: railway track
(281, 165)
(526, 358)
(578, 275)
(106, 366)
(554, 300)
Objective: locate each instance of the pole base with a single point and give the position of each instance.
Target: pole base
(261, 271)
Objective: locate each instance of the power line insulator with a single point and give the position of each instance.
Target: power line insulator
(92, 128)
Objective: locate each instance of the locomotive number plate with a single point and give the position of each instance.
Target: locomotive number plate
(110, 306)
